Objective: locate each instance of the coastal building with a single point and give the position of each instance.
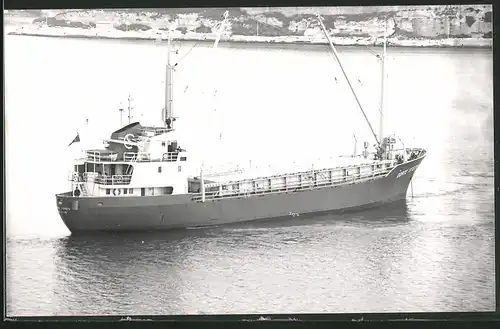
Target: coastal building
(188, 21)
(340, 21)
(299, 26)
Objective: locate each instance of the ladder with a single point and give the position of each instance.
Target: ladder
(84, 189)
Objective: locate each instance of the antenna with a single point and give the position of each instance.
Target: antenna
(121, 116)
(334, 51)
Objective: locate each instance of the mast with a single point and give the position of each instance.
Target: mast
(382, 85)
(167, 113)
(168, 117)
(334, 51)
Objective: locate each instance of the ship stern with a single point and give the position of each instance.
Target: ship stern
(68, 207)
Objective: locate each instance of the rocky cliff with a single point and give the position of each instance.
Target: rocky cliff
(404, 22)
(409, 21)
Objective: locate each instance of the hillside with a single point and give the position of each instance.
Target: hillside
(405, 22)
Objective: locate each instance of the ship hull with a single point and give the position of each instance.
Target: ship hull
(112, 214)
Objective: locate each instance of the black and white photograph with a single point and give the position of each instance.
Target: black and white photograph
(249, 160)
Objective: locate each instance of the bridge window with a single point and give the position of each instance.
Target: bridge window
(80, 169)
(130, 191)
(159, 169)
(183, 158)
(108, 191)
(125, 191)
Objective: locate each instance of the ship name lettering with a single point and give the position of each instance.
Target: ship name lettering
(406, 171)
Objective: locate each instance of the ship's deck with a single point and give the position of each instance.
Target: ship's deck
(256, 172)
(352, 171)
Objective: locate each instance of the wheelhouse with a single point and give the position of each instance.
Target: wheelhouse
(136, 160)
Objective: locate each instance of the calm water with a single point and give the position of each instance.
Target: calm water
(432, 252)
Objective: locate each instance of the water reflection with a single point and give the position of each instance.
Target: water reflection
(383, 259)
(110, 274)
(169, 272)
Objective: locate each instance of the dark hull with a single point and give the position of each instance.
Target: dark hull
(94, 214)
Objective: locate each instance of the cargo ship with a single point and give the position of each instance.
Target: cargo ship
(143, 180)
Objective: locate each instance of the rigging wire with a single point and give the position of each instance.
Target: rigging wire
(189, 51)
(217, 26)
(194, 46)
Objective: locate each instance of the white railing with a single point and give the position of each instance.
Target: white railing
(212, 172)
(295, 186)
(266, 170)
(303, 171)
(136, 156)
(154, 131)
(113, 180)
(148, 157)
(93, 177)
(96, 156)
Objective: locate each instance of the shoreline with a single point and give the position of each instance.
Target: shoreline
(469, 43)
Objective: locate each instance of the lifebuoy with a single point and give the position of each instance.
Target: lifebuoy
(75, 178)
(127, 140)
(116, 191)
(76, 192)
(118, 180)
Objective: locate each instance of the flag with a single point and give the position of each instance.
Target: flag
(75, 140)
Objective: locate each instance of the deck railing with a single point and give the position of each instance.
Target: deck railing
(101, 179)
(146, 157)
(154, 131)
(113, 180)
(309, 184)
(309, 170)
(213, 174)
(96, 156)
